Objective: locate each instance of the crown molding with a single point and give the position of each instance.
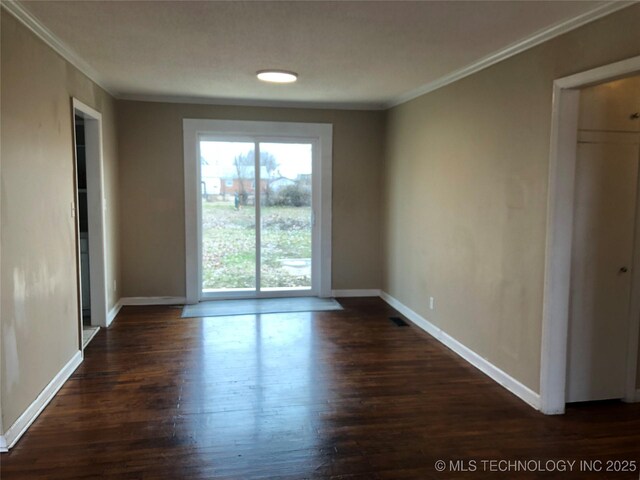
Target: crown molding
(239, 102)
(43, 33)
(514, 49)
(32, 23)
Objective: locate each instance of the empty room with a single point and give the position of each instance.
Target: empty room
(319, 239)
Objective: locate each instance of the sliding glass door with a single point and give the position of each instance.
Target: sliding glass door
(256, 216)
(286, 216)
(257, 209)
(228, 221)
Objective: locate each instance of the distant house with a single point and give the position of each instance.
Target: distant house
(210, 181)
(231, 186)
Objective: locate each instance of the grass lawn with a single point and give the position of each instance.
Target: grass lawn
(229, 250)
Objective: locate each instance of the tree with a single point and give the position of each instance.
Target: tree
(296, 195)
(244, 165)
(271, 166)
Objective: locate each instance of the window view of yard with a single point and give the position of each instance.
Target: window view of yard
(229, 215)
(229, 252)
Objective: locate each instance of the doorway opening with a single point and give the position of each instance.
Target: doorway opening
(89, 217)
(591, 312)
(82, 219)
(606, 190)
(257, 199)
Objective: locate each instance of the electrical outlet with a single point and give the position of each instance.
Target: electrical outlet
(431, 302)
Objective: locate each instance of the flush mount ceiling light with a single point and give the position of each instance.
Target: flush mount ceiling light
(277, 76)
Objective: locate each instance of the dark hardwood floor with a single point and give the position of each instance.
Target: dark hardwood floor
(344, 395)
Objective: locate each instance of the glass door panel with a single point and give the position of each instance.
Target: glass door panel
(285, 216)
(228, 216)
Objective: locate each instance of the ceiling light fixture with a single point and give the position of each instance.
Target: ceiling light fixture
(277, 76)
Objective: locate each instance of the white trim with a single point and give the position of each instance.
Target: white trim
(94, 332)
(562, 159)
(43, 33)
(86, 109)
(320, 134)
(113, 313)
(239, 102)
(504, 379)
(369, 292)
(514, 49)
(25, 420)
(126, 301)
(601, 74)
(558, 248)
(96, 206)
(3, 444)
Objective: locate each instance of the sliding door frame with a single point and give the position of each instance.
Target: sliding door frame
(319, 135)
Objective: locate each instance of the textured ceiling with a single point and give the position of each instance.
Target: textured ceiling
(351, 53)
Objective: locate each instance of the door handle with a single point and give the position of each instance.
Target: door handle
(624, 269)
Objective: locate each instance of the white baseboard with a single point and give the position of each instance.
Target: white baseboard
(482, 364)
(372, 292)
(113, 313)
(152, 301)
(20, 426)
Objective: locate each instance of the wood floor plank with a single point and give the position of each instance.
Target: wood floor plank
(344, 395)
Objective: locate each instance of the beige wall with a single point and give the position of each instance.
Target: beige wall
(152, 192)
(466, 174)
(38, 263)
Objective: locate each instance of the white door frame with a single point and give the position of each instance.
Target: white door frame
(96, 207)
(320, 134)
(562, 167)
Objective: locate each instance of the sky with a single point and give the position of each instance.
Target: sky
(293, 158)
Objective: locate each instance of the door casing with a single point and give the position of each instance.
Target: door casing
(556, 296)
(95, 205)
